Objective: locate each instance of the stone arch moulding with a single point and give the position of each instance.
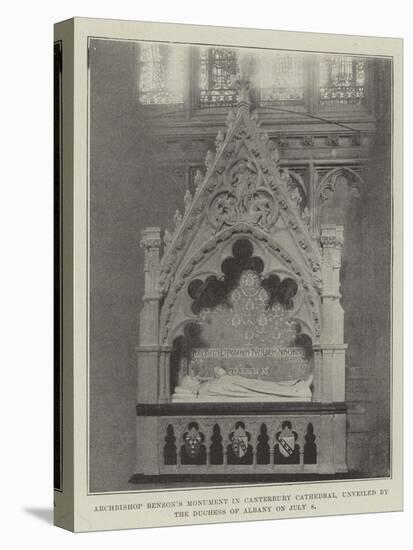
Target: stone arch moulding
(335, 198)
(328, 184)
(298, 181)
(304, 278)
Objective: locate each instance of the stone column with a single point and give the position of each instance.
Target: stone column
(148, 350)
(332, 346)
(164, 374)
(318, 374)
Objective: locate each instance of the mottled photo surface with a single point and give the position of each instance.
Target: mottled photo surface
(240, 214)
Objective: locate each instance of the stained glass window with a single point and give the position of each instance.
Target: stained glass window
(342, 80)
(161, 73)
(281, 78)
(217, 69)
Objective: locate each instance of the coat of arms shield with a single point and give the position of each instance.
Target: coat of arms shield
(286, 445)
(192, 444)
(240, 445)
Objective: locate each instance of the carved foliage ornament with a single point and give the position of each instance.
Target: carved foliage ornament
(243, 199)
(240, 194)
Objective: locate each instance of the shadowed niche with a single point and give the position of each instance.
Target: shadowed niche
(182, 348)
(213, 291)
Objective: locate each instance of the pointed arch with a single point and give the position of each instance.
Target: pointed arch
(299, 181)
(305, 277)
(328, 181)
(336, 193)
(260, 202)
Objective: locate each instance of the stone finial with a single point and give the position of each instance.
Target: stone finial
(167, 238)
(209, 159)
(231, 116)
(242, 84)
(198, 179)
(275, 156)
(243, 87)
(187, 200)
(177, 219)
(219, 141)
(295, 195)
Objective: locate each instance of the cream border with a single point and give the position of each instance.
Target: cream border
(85, 518)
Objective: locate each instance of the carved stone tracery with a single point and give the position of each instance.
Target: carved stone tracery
(341, 176)
(244, 198)
(243, 184)
(311, 287)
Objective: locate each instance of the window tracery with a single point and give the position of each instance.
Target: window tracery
(342, 80)
(161, 74)
(281, 78)
(278, 77)
(217, 69)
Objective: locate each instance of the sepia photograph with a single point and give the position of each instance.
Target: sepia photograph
(240, 265)
(205, 276)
